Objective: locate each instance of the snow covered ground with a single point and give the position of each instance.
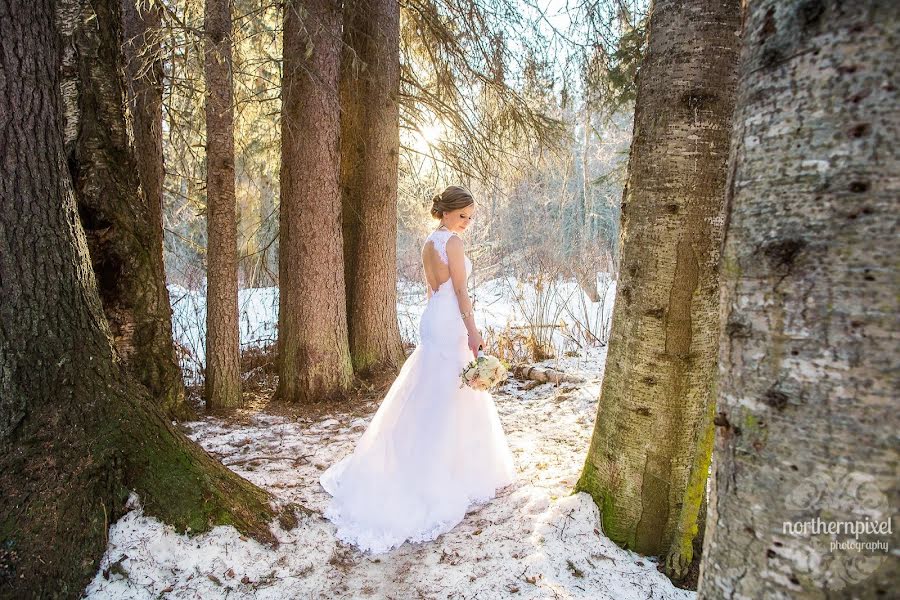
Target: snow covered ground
(534, 541)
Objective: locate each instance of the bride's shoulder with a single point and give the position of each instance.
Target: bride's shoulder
(444, 235)
(454, 242)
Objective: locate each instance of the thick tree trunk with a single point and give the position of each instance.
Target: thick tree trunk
(77, 433)
(313, 352)
(370, 138)
(223, 383)
(124, 230)
(808, 367)
(650, 450)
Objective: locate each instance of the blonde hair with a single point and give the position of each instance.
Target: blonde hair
(452, 198)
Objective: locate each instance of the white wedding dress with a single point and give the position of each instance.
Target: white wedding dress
(432, 448)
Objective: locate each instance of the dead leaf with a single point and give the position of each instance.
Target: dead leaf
(576, 572)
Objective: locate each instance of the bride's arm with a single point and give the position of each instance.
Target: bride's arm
(456, 262)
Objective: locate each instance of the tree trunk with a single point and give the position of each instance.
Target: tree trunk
(223, 383)
(313, 352)
(585, 270)
(144, 85)
(77, 432)
(370, 138)
(265, 235)
(649, 455)
(123, 229)
(808, 374)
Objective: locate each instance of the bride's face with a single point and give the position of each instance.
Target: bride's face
(458, 220)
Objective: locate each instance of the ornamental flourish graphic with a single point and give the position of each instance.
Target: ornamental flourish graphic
(839, 529)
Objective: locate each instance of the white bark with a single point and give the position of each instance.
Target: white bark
(808, 375)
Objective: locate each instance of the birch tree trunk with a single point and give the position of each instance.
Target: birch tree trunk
(123, 228)
(265, 234)
(77, 433)
(370, 138)
(223, 361)
(586, 273)
(808, 366)
(313, 352)
(650, 450)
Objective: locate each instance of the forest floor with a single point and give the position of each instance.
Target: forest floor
(535, 540)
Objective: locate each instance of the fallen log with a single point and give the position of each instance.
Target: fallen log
(544, 374)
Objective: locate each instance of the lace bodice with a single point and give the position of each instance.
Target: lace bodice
(439, 238)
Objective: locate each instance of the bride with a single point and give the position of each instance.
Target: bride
(432, 448)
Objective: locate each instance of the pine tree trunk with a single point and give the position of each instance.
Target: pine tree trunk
(124, 230)
(77, 432)
(370, 141)
(313, 352)
(650, 450)
(141, 23)
(223, 384)
(808, 368)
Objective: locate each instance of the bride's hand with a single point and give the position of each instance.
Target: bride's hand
(474, 342)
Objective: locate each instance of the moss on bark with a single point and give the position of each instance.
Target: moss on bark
(645, 465)
(67, 484)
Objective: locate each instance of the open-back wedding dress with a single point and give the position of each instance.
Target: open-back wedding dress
(432, 448)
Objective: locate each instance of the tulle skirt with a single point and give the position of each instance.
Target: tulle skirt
(431, 451)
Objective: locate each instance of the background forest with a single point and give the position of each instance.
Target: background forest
(527, 105)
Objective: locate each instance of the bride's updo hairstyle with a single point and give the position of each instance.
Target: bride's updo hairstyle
(452, 198)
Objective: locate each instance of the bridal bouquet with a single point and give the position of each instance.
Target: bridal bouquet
(483, 373)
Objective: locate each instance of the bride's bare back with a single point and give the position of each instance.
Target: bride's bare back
(436, 272)
(445, 262)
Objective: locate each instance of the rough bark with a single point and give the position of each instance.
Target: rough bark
(124, 230)
(313, 351)
(141, 23)
(223, 385)
(808, 367)
(650, 450)
(370, 138)
(77, 432)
